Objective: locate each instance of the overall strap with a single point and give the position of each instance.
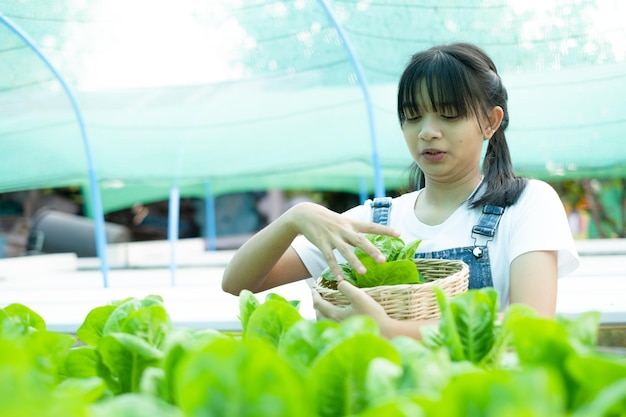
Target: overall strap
(488, 222)
(381, 207)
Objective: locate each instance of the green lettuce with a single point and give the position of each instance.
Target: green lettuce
(398, 269)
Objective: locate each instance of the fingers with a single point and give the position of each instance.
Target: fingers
(317, 301)
(368, 247)
(376, 228)
(358, 239)
(352, 293)
(329, 255)
(361, 302)
(334, 233)
(326, 310)
(344, 243)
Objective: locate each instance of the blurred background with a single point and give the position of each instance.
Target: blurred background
(210, 118)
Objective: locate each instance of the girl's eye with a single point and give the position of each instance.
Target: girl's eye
(449, 113)
(412, 117)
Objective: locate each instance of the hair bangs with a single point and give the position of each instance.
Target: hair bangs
(436, 82)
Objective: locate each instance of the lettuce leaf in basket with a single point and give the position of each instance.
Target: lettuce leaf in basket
(390, 246)
(398, 269)
(401, 271)
(408, 252)
(329, 279)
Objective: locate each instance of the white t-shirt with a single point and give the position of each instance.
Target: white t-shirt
(537, 222)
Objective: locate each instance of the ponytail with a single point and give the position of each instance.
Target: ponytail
(502, 186)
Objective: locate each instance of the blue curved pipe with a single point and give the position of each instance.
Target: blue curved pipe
(94, 190)
(209, 217)
(173, 229)
(379, 185)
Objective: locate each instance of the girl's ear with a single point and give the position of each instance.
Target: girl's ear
(495, 116)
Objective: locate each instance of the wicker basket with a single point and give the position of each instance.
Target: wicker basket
(412, 301)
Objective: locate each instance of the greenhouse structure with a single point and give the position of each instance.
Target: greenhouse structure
(143, 101)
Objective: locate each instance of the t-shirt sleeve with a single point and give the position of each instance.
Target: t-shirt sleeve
(312, 257)
(540, 223)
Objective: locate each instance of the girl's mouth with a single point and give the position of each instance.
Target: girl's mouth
(433, 155)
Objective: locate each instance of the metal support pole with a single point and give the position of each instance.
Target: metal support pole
(173, 228)
(94, 189)
(209, 218)
(379, 186)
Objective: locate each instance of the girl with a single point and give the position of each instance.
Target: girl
(512, 232)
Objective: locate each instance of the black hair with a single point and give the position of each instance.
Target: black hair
(463, 77)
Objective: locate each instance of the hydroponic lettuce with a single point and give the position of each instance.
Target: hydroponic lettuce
(128, 360)
(399, 267)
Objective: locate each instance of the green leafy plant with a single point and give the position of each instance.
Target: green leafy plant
(128, 360)
(398, 268)
(120, 341)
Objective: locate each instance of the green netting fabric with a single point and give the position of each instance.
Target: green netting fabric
(253, 95)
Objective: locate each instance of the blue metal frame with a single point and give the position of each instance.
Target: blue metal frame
(379, 185)
(94, 189)
(209, 218)
(173, 229)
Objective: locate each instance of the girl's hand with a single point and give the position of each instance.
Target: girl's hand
(329, 230)
(360, 303)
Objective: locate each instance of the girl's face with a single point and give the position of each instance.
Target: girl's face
(447, 147)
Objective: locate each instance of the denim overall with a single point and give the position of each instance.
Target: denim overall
(476, 257)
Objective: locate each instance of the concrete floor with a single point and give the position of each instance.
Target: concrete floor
(63, 288)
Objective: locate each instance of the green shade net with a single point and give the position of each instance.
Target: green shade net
(254, 95)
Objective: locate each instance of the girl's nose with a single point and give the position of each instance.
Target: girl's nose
(429, 129)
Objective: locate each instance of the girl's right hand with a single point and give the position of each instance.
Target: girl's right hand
(329, 230)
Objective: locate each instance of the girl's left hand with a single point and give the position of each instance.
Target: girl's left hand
(360, 303)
